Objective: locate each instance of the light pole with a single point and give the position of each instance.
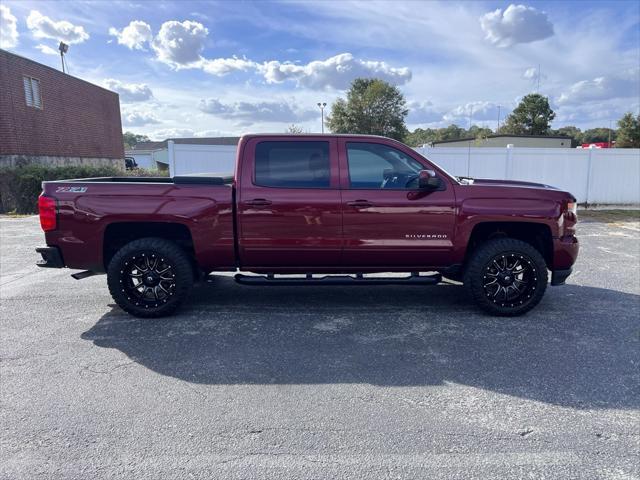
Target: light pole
(64, 48)
(321, 106)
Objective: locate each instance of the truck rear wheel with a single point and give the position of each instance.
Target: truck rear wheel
(150, 277)
(506, 277)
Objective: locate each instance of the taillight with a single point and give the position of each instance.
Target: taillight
(47, 209)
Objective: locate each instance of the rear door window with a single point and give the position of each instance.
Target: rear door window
(292, 164)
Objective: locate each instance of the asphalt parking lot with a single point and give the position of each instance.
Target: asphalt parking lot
(321, 382)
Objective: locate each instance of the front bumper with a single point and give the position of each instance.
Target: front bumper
(51, 257)
(565, 253)
(558, 277)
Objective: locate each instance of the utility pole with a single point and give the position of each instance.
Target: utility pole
(498, 129)
(469, 145)
(321, 106)
(538, 79)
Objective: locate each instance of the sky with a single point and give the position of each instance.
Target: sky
(227, 68)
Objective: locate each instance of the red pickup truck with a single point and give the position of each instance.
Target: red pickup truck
(312, 209)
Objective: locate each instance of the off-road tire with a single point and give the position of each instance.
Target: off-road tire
(121, 277)
(480, 271)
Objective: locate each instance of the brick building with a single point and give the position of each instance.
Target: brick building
(50, 117)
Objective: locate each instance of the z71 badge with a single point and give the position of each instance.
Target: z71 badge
(71, 189)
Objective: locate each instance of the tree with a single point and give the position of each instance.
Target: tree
(532, 116)
(131, 139)
(420, 136)
(372, 107)
(600, 134)
(295, 129)
(628, 131)
(453, 132)
(570, 131)
(479, 133)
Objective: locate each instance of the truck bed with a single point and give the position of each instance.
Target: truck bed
(197, 179)
(93, 213)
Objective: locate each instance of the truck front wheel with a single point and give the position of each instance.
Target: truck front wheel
(506, 277)
(150, 277)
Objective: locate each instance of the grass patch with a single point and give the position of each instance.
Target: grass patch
(609, 216)
(14, 214)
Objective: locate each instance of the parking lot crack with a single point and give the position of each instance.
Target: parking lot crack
(107, 371)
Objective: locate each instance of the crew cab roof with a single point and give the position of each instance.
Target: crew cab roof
(314, 135)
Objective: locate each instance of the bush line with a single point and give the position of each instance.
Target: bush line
(21, 186)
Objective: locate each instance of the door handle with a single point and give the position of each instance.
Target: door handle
(258, 202)
(360, 204)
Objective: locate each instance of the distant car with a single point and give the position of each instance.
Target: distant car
(312, 205)
(130, 163)
(597, 145)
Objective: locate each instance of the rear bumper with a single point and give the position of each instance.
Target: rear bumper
(51, 257)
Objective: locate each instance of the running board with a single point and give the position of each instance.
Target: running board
(338, 280)
(85, 274)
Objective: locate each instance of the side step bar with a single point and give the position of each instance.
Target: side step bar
(85, 274)
(338, 280)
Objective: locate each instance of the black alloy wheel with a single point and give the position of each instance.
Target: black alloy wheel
(150, 277)
(506, 277)
(509, 279)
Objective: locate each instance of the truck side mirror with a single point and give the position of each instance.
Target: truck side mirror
(427, 180)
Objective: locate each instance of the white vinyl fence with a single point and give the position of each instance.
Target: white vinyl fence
(593, 176)
(185, 159)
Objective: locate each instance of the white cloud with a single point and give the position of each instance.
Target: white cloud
(247, 113)
(129, 92)
(477, 111)
(47, 50)
(335, 72)
(8, 28)
(165, 133)
(517, 24)
(212, 133)
(180, 44)
(223, 66)
(595, 113)
(135, 35)
(423, 112)
(44, 27)
(602, 88)
(138, 118)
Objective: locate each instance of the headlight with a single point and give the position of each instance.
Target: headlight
(573, 208)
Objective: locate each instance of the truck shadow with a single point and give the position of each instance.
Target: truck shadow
(579, 348)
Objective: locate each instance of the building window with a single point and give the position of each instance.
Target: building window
(32, 92)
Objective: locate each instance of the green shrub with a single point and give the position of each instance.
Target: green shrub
(21, 186)
(145, 172)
